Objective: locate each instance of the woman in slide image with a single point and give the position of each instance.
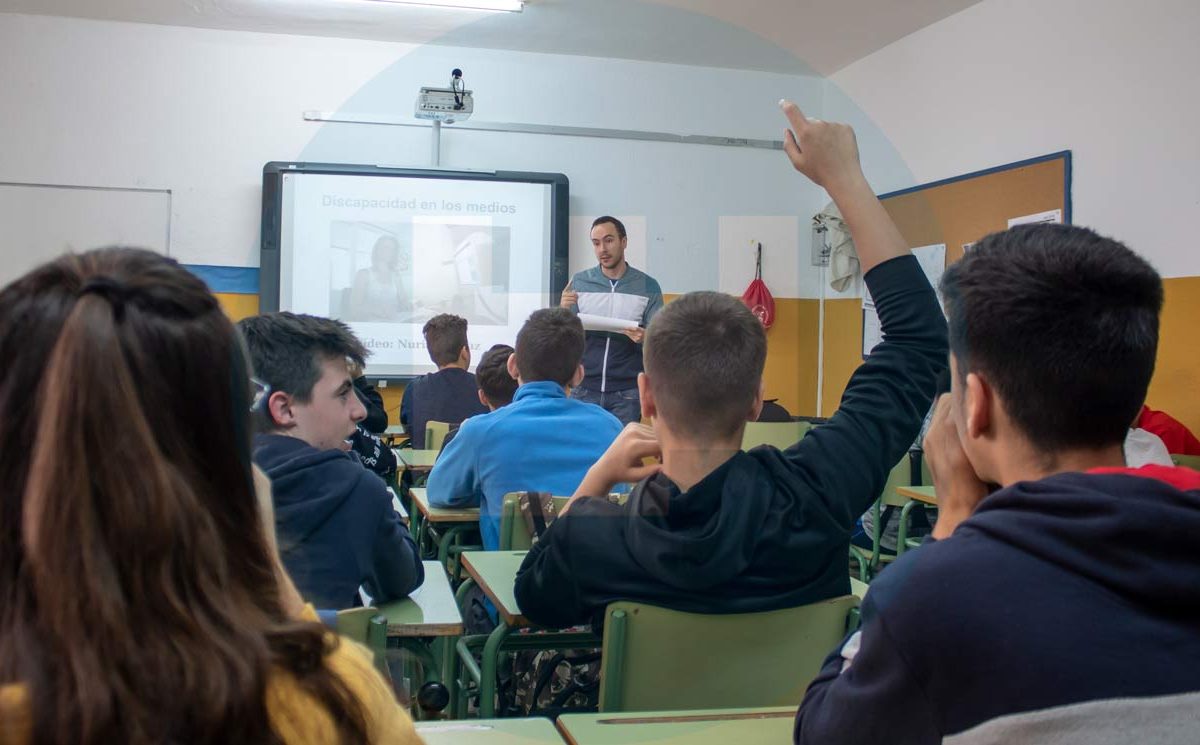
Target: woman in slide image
(141, 598)
(376, 295)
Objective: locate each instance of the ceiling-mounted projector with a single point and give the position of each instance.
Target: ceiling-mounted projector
(447, 105)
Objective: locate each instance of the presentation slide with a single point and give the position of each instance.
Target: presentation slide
(387, 253)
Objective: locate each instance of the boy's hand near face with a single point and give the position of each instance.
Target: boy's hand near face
(959, 490)
(622, 462)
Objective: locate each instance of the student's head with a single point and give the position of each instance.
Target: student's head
(385, 255)
(609, 241)
(704, 356)
(496, 386)
(138, 591)
(446, 341)
(1053, 333)
(549, 347)
(307, 363)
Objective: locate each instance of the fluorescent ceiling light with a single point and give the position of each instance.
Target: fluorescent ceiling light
(513, 6)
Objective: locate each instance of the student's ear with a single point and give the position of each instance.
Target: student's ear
(756, 408)
(279, 404)
(513, 370)
(649, 409)
(577, 378)
(978, 402)
(483, 399)
(464, 356)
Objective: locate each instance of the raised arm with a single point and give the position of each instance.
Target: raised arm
(846, 461)
(827, 153)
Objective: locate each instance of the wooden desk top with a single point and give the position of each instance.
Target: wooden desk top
(920, 493)
(495, 572)
(441, 514)
(429, 611)
(416, 460)
(535, 731)
(719, 727)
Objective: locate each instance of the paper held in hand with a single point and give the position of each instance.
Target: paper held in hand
(592, 322)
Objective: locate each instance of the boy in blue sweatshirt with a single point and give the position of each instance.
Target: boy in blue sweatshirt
(336, 527)
(1058, 602)
(542, 441)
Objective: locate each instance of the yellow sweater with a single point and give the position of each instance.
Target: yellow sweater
(296, 716)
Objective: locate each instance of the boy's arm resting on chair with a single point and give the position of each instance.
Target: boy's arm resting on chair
(847, 459)
(454, 480)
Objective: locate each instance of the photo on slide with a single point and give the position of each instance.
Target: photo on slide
(412, 270)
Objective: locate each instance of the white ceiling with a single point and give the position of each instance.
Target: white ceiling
(791, 36)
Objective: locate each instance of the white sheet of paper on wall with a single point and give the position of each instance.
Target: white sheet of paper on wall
(1036, 219)
(932, 260)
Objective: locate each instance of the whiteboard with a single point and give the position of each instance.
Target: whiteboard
(41, 221)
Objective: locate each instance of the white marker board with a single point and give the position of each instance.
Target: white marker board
(41, 221)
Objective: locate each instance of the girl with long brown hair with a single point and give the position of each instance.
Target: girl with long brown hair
(140, 599)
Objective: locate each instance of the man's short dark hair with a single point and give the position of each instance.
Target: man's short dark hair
(287, 349)
(620, 226)
(1063, 323)
(550, 346)
(493, 378)
(445, 336)
(704, 355)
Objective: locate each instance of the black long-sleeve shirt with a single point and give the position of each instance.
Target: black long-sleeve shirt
(768, 529)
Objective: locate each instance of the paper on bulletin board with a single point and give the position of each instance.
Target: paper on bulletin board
(932, 260)
(1039, 218)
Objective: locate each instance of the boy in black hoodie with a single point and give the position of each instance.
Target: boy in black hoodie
(716, 530)
(1062, 607)
(334, 519)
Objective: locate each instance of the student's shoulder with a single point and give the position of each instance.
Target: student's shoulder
(952, 573)
(298, 718)
(591, 522)
(593, 412)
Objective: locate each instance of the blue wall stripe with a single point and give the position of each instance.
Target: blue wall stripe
(237, 280)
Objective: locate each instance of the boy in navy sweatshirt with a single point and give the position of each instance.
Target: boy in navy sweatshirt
(334, 519)
(1062, 606)
(713, 529)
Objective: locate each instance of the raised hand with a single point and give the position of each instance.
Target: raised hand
(569, 296)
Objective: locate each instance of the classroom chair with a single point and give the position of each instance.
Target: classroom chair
(1187, 461)
(368, 627)
(780, 434)
(900, 475)
(435, 435)
(514, 533)
(656, 659)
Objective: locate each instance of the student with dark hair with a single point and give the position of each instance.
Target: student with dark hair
(543, 441)
(449, 395)
(337, 528)
(712, 529)
(613, 288)
(1058, 603)
(366, 443)
(141, 600)
(496, 386)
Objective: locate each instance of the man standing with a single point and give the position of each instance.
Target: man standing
(612, 361)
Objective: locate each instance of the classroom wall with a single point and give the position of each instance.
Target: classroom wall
(1006, 80)
(199, 111)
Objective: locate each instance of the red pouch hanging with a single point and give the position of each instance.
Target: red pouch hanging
(758, 298)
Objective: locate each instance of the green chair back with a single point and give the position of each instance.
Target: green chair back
(780, 434)
(368, 627)
(656, 659)
(1189, 461)
(435, 435)
(514, 533)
